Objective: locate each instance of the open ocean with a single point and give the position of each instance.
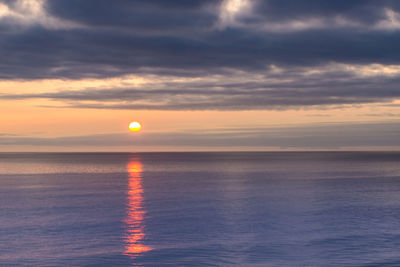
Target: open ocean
(200, 209)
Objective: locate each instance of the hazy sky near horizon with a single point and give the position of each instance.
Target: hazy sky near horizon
(199, 75)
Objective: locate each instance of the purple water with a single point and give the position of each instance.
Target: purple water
(200, 209)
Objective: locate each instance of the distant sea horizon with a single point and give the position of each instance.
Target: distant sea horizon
(205, 151)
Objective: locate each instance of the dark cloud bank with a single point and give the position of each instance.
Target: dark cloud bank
(269, 91)
(324, 136)
(192, 39)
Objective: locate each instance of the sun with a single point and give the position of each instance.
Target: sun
(135, 126)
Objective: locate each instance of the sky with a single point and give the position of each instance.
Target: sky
(199, 75)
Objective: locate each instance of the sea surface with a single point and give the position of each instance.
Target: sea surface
(200, 209)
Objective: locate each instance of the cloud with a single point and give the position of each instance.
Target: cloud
(8, 134)
(367, 14)
(245, 43)
(30, 12)
(183, 37)
(230, 10)
(79, 53)
(137, 16)
(276, 89)
(385, 114)
(319, 136)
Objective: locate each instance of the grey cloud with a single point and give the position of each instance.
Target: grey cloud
(8, 134)
(385, 114)
(40, 53)
(156, 15)
(136, 15)
(290, 88)
(310, 136)
(182, 38)
(363, 11)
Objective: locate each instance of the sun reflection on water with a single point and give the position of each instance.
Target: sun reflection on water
(135, 213)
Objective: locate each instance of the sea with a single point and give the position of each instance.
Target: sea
(200, 209)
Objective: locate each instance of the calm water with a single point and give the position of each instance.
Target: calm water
(200, 209)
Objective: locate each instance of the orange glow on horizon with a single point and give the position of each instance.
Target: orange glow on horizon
(135, 223)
